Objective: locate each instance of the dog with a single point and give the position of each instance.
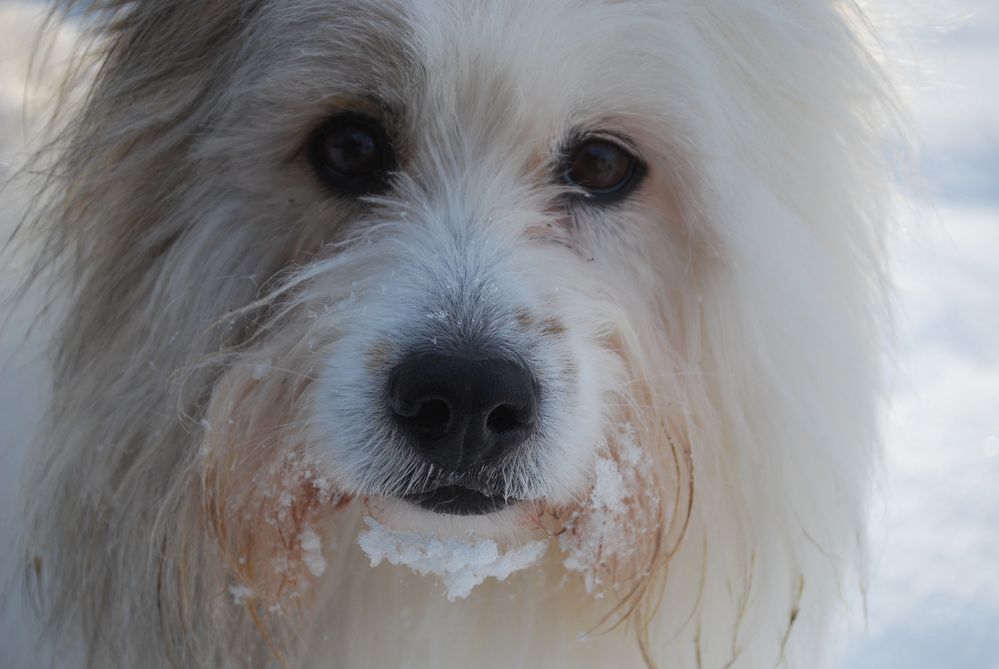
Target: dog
(451, 333)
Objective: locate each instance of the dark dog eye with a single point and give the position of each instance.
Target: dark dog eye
(603, 169)
(352, 155)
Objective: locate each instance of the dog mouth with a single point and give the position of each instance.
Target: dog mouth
(458, 501)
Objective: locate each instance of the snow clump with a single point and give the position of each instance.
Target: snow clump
(460, 564)
(312, 552)
(606, 529)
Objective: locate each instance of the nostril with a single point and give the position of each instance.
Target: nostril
(432, 417)
(459, 410)
(504, 418)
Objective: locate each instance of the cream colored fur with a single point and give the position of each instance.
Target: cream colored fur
(229, 321)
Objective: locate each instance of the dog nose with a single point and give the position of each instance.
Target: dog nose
(459, 411)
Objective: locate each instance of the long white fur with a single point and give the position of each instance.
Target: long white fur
(230, 323)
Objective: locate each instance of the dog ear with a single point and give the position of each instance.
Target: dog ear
(165, 46)
(150, 75)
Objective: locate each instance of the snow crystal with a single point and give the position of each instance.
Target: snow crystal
(261, 369)
(312, 552)
(240, 593)
(460, 564)
(608, 490)
(602, 530)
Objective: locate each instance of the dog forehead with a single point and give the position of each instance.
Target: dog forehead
(537, 59)
(546, 51)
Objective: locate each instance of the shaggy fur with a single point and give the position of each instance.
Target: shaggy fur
(711, 343)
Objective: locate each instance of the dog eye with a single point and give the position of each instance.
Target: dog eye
(351, 155)
(605, 170)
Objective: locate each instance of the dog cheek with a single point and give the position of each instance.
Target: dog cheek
(267, 502)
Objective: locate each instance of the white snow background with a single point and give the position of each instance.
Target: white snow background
(933, 595)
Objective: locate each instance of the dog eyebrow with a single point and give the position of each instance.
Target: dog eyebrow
(341, 65)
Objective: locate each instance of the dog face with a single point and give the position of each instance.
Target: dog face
(495, 241)
(522, 268)
(474, 365)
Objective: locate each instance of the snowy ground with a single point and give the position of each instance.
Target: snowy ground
(933, 600)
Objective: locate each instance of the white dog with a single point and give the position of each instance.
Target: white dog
(467, 282)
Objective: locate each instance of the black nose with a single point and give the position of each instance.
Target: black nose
(458, 410)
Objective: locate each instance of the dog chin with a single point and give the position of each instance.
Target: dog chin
(510, 523)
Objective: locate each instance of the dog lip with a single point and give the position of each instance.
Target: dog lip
(458, 501)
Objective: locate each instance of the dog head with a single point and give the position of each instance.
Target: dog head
(486, 268)
(514, 267)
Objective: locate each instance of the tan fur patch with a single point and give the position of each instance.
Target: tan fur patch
(552, 327)
(377, 356)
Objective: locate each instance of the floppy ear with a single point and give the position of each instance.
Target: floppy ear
(115, 461)
(147, 77)
(124, 186)
(163, 35)
(174, 51)
(161, 78)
